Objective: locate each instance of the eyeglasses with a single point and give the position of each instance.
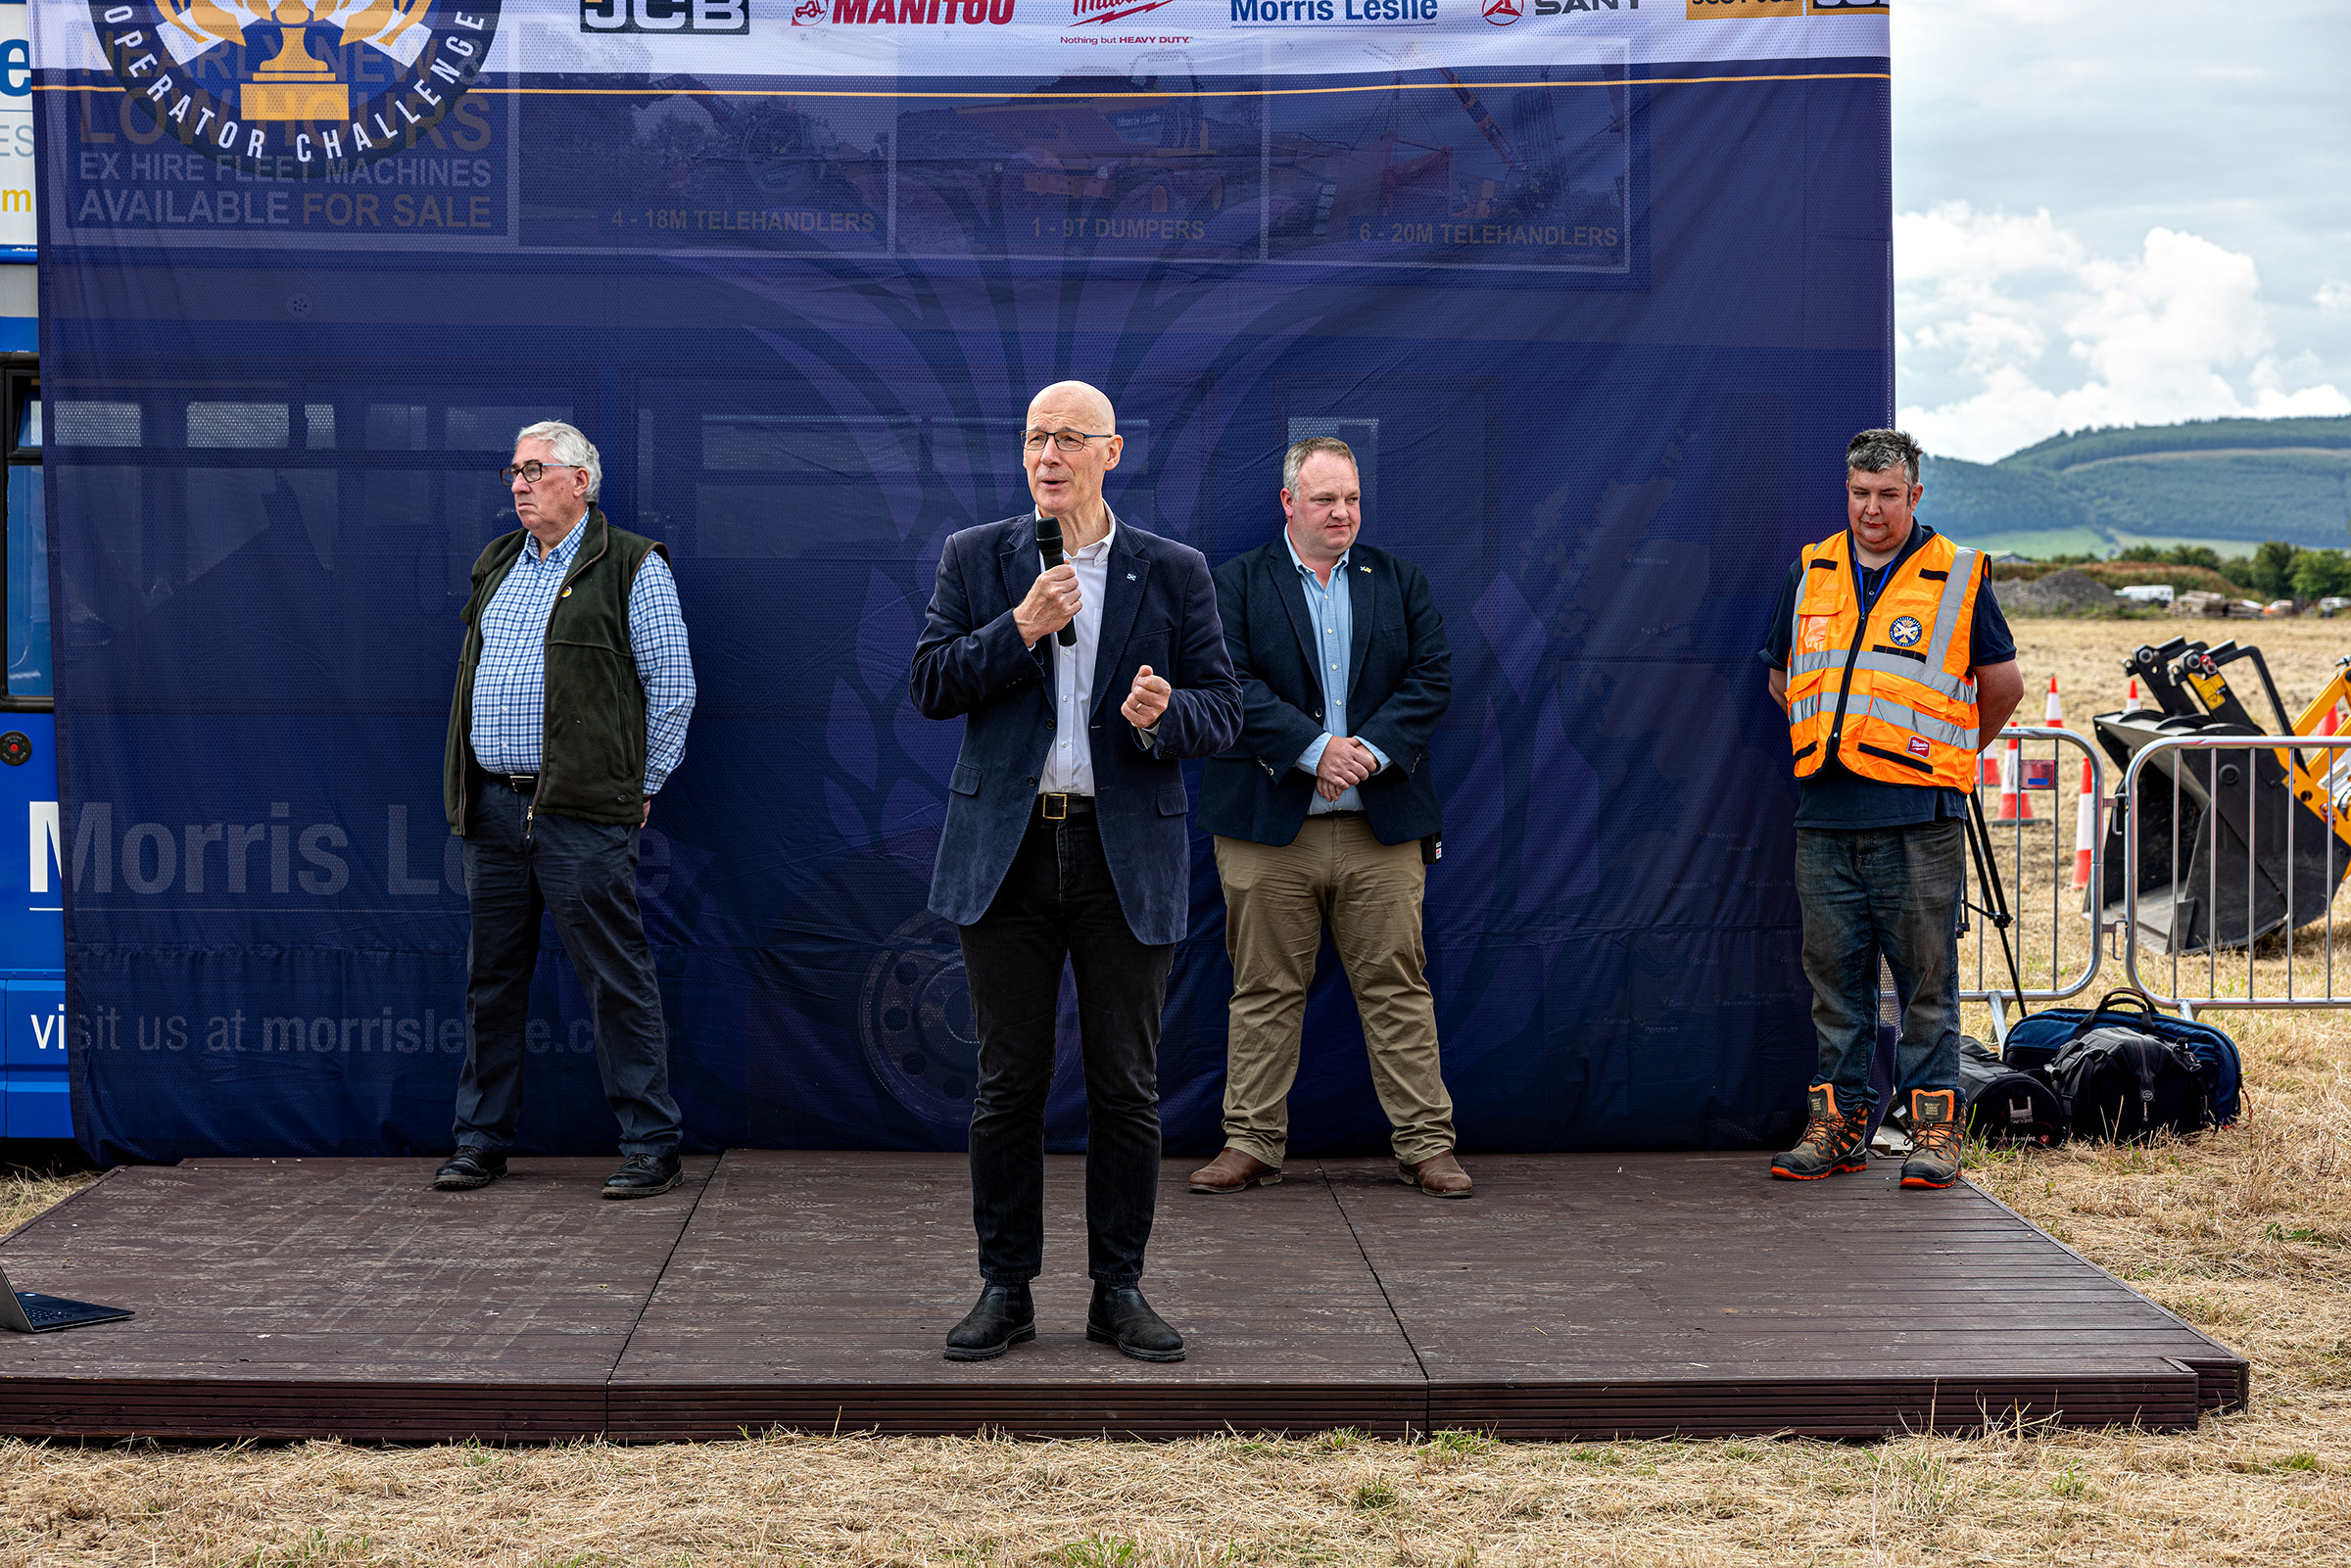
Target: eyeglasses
(534, 470)
(1066, 440)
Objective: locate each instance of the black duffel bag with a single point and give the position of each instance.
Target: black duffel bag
(2004, 1105)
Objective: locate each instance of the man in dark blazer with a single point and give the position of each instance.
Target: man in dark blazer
(1318, 814)
(1065, 842)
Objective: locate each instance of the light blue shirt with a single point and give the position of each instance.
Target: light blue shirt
(510, 681)
(1334, 611)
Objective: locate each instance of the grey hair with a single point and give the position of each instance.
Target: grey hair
(1873, 451)
(1299, 451)
(572, 446)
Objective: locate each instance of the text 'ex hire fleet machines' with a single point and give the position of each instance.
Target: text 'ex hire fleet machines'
(2218, 829)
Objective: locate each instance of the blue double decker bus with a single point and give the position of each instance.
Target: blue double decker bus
(34, 1102)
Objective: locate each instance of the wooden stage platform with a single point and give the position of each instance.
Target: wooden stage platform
(1577, 1296)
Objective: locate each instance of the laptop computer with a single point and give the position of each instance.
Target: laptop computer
(30, 1312)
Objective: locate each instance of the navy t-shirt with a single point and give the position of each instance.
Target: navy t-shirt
(1834, 795)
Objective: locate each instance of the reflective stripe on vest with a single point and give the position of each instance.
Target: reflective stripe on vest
(1958, 688)
(1877, 686)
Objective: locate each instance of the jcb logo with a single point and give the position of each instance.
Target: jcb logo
(1710, 10)
(665, 16)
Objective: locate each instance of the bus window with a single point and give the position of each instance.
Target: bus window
(28, 673)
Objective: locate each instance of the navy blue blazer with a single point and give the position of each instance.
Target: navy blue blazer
(970, 663)
(1398, 684)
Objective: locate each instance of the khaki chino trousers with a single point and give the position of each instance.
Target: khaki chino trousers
(1276, 901)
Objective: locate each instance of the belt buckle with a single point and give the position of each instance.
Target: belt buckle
(1052, 799)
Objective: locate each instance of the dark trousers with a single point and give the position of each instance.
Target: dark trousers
(1057, 905)
(1896, 891)
(585, 875)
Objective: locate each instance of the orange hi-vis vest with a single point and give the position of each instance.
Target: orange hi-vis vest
(1891, 697)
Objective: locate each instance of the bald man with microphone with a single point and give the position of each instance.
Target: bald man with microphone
(1087, 660)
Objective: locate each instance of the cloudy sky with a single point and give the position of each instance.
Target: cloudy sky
(2119, 211)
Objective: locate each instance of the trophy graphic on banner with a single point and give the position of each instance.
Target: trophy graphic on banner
(293, 84)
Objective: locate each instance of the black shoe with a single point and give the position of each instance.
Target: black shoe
(1001, 1318)
(469, 1167)
(1121, 1316)
(644, 1176)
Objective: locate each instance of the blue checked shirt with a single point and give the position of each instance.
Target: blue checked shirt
(510, 685)
(1333, 610)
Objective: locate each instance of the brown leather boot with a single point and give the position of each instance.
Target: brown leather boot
(1439, 1176)
(1235, 1171)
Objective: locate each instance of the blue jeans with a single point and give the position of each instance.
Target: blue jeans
(1057, 905)
(585, 875)
(1896, 891)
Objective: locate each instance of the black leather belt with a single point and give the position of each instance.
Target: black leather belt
(523, 783)
(1061, 808)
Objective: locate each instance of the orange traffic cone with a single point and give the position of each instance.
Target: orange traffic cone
(2053, 717)
(2130, 702)
(2326, 725)
(2085, 826)
(2013, 807)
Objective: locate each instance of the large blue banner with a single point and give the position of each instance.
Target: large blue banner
(1595, 292)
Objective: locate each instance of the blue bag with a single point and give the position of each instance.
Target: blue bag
(2035, 1040)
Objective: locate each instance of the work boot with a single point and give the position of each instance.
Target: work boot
(644, 1176)
(1235, 1171)
(1832, 1141)
(1934, 1138)
(469, 1167)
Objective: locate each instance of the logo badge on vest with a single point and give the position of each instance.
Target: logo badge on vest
(1906, 631)
(1918, 744)
(302, 90)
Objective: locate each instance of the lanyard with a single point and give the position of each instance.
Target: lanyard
(1869, 592)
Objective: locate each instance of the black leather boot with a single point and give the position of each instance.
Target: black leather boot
(1001, 1318)
(644, 1176)
(469, 1167)
(1121, 1316)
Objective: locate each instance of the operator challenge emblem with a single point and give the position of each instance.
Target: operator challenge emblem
(1906, 631)
(296, 89)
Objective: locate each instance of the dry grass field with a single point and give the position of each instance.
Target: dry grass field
(2242, 1231)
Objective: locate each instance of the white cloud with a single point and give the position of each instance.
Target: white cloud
(2333, 295)
(2012, 329)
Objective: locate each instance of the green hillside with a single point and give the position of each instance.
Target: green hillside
(2221, 482)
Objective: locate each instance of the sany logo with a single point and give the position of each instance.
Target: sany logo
(1502, 13)
(1110, 10)
(809, 15)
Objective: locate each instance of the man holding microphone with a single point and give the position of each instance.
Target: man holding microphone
(1085, 659)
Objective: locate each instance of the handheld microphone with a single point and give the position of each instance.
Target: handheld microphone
(1048, 549)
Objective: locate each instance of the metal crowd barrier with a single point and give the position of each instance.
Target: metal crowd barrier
(2041, 921)
(2261, 860)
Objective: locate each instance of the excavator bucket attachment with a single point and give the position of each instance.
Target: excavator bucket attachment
(2234, 845)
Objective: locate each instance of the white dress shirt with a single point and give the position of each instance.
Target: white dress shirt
(1070, 760)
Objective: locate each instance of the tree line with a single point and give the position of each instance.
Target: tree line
(2274, 571)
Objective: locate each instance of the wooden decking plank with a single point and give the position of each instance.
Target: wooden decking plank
(1575, 1296)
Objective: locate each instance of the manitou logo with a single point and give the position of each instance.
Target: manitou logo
(970, 13)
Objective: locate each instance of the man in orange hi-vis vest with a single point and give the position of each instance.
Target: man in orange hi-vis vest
(1897, 668)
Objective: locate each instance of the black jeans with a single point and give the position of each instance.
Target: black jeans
(583, 874)
(1058, 904)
